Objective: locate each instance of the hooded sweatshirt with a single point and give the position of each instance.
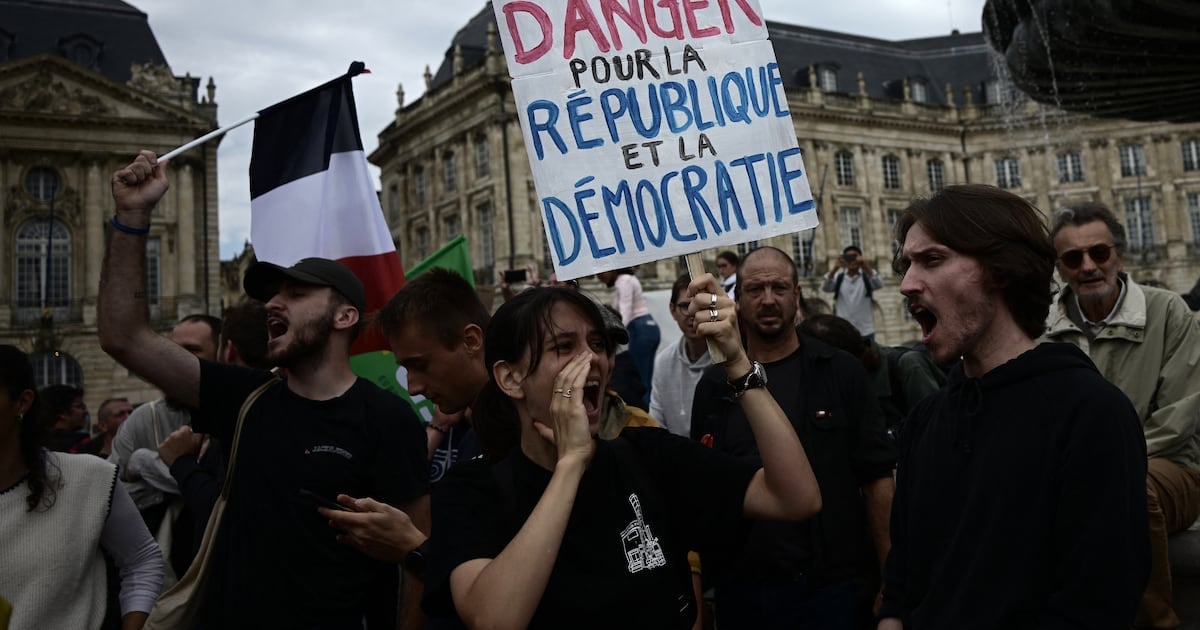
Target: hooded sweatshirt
(1020, 501)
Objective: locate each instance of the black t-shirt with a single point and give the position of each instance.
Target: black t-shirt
(826, 395)
(619, 566)
(277, 560)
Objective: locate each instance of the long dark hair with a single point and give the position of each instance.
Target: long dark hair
(1004, 232)
(16, 376)
(519, 326)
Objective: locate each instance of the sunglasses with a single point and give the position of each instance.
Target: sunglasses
(1098, 253)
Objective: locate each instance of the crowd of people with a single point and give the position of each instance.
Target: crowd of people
(1020, 466)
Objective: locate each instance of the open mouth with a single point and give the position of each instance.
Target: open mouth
(925, 318)
(592, 395)
(276, 327)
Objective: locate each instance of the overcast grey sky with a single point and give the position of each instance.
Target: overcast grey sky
(263, 51)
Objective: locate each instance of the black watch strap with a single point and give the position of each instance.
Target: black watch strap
(414, 561)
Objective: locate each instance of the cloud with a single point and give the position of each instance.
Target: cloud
(262, 51)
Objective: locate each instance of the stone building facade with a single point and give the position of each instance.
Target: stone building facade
(879, 122)
(83, 87)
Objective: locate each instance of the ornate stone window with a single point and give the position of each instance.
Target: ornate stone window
(1133, 160)
(1191, 155)
(487, 236)
(936, 170)
(1139, 223)
(843, 163)
(449, 171)
(1070, 167)
(851, 227)
(55, 368)
(451, 227)
(1008, 172)
(419, 186)
(482, 156)
(42, 183)
(36, 285)
(891, 172)
(421, 245)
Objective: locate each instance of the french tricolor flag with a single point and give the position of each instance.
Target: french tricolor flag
(311, 193)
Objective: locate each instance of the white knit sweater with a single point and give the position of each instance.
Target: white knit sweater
(51, 568)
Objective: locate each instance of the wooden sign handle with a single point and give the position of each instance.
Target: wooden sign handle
(695, 267)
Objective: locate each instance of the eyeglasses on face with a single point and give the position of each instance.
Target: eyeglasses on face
(1099, 254)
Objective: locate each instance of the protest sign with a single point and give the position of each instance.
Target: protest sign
(654, 129)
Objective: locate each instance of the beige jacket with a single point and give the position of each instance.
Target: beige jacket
(1150, 350)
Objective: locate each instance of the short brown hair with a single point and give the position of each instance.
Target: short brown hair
(245, 324)
(439, 300)
(1006, 233)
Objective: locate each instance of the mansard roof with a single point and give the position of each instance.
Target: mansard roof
(959, 59)
(106, 36)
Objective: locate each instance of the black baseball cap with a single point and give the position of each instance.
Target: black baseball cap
(263, 279)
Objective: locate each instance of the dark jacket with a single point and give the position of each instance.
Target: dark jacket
(826, 396)
(1020, 501)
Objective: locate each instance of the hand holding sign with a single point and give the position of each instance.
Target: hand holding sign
(654, 129)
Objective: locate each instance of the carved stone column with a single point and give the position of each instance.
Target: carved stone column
(185, 236)
(96, 208)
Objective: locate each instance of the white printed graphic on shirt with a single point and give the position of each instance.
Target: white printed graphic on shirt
(642, 550)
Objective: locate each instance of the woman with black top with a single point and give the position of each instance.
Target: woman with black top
(555, 528)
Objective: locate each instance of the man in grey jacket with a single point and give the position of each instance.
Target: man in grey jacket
(678, 368)
(1146, 342)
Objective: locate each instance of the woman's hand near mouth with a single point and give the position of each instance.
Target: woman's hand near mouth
(571, 433)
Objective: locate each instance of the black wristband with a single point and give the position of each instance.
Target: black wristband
(436, 428)
(121, 227)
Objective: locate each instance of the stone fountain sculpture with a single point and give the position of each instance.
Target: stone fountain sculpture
(1132, 59)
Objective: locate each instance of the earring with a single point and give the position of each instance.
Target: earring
(20, 417)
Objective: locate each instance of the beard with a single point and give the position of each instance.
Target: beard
(771, 333)
(308, 341)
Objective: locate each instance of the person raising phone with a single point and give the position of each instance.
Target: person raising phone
(555, 528)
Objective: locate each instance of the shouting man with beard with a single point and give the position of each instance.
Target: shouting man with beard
(1020, 499)
(814, 574)
(321, 431)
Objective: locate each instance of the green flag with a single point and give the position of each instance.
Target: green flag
(380, 367)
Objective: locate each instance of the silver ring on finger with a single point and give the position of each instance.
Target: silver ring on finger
(712, 304)
(566, 392)
(712, 315)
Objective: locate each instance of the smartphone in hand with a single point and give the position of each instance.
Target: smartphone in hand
(513, 276)
(322, 501)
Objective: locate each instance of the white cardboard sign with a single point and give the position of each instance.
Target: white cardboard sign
(654, 129)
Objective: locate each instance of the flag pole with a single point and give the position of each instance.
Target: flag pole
(208, 136)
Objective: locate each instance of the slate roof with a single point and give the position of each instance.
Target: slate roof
(119, 31)
(959, 58)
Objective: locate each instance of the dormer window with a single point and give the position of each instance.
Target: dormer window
(918, 90)
(6, 42)
(81, 49)
(827, 78)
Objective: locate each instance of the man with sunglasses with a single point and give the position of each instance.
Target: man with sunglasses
(1146, 342)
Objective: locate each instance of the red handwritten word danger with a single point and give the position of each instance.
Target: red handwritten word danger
(670, 19)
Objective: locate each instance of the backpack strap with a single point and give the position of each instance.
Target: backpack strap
(237, 432)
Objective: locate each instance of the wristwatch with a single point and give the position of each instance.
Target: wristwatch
(756, 378)
(414, 561)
